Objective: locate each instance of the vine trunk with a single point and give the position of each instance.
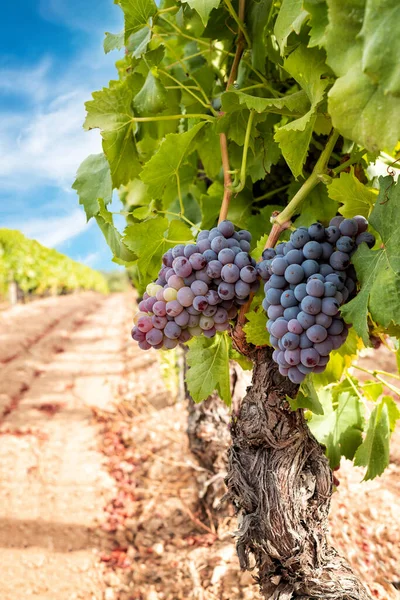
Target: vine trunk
(280, 484)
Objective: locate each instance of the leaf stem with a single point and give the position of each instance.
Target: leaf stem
(272, 193)
(375, 374)
(181, 216)
(178, 185)
(172, 118)
(351, 161)
(195, 96)
(238, 21)
(242, 180)
(310, 183)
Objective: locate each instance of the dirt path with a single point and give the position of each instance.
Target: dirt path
(53, 486)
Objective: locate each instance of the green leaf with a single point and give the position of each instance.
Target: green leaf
(152, 98)
(93, 181)
(393, 411)
(150, 239)
(243, 361)
(381, 45)
(210, 151)
(378, 271)
(255, 328)
(291, 18)
(318, 21)
(372, 390)
(113, 41)
(339, 429)
(259, 248)
(258, 16)
(111, 111)
(306, 66)
(210, 205)
(355, 197)
(138, 42)
(104, 220)
(296, 102)
(307, 397)
(162, 169)
(316, 207)
(137, 14)
(360, 107)
(208, 362)
(374, 451)
(203, 8)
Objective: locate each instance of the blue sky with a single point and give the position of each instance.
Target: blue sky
(51, 59)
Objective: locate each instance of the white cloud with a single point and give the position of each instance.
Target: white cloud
(53, 231)
(31, 82)
(91, 259)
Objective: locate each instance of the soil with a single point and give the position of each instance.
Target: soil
(99, 494)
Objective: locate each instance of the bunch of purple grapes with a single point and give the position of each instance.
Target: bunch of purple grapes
(199, 289)
(308, 280)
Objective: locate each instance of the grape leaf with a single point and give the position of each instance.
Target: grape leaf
(318, 21)
(113, 41)
(255, 328)
(307, 397)
(355, 197)
(243, 361)
(93, 181)
(296, 103)
(380, 52)
(291, 17)
(258, 15)
(162, 169)
(378, 271)
(210, 151)
(359, 105)
(373, 453)
(138, 42)
(339, 429)
(137, 14)
(316, 207)
(152, 98)
(150, 239)
(306, 66)
(111, 111)
(393, 411)
(203, 8)
(208, 362)
(259, 247)
(104, 219)
(372, 390)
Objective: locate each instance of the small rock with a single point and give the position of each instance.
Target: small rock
(158, 548)
(109, 594)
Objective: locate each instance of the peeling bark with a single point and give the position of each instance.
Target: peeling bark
(281, 485)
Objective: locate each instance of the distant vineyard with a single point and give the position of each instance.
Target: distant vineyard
(39, 270)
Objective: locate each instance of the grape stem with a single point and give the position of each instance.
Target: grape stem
(242, 179)
(239, 19)
(272, 193)
(310, 183)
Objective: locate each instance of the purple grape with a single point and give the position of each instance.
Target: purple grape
(203, 245)
(242, 289)
(226, 256)
(317, 333)
(245, 245)
(299, 238)
(362, 223)
(220, 316)
(337, 341)
(277, 281)
(327, 250)
(300, 291)
(221, 326)
(330, 306)
(244, 235)
(336, 327)
(182, 319)
(279, 328)
(305, 342)
(199, 288)
(202, 276)
(178, 250)
(279, 265)
(310, 267)
(323, 361)
(288, 299)
(206, 322)
(192, 311)
(290, 341)
(248, 274)
(214, 269)
(230, 273)
(339, 260)
(295, 327)
(154, 337)
(283, 371)
(275, 311)
(144, 345)
(159, 308)
(226, 290)
(348, 227)
(332, 234)
(294, 257)
(273, 296)
(279, 248)
(226, 228)
(324, 348)
(268, 253)
(315, 287)
(232, 312)
(212, 297)
(172, 330)
(311, 305)
(173, 308)
(242, 259)
(193, 320)
(339, 297)
(210, 311)
(303, 369)
(324, 320)
(218, 243)
(200, 303)
(295, 375)
(263, 269)
(281, 359)
(312, 250)
(210, 255)
(317, 232)
(309, 357)
(209, 333)
(306, 320)
(335, 222)
(176, 282)
(190, 249)
(336, 280)
(159, 322)
(325, 270)
(292, 357)
(274, 341)
(366, 237)
(288, 247)
(185, 296)
(345, 244)
(291, 312)
(197, 261)
(319, 369)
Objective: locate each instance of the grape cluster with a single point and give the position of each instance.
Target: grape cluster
(199, 289)
(308, 280)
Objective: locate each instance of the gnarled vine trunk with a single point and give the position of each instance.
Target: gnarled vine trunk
(281, 485)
